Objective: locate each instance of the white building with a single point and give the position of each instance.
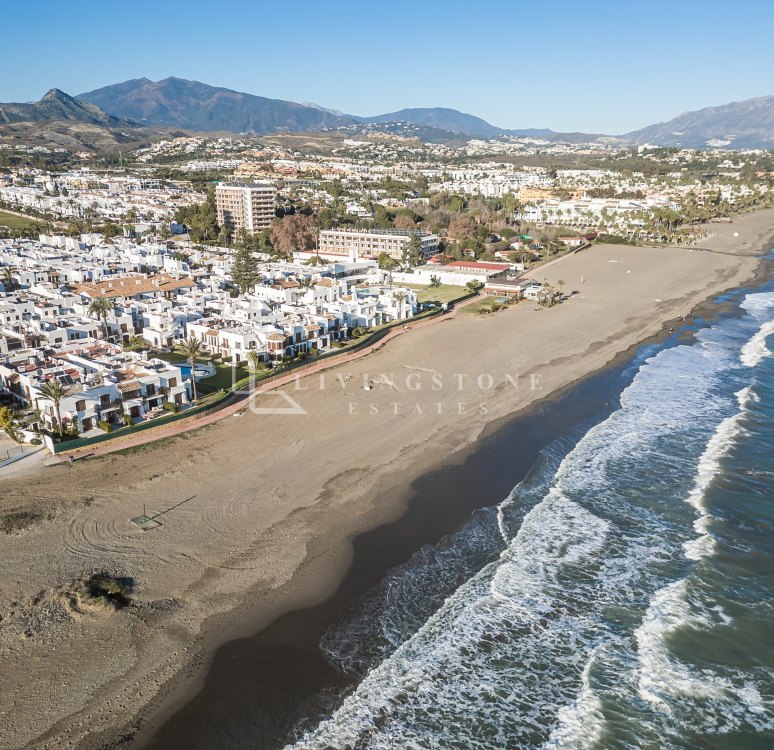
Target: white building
(245, 205)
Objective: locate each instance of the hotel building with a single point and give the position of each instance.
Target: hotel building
(248, 205)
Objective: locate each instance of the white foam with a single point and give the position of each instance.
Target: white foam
(669, 685)
(708, 469)
(759, 306)
(756, 348)
(508, 656)
(580, 724)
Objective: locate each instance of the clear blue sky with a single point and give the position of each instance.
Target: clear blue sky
(606, 66)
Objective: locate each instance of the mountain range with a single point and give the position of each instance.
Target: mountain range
(56, 105)
(745, 124)
(176, 102)
(136, 109)
(59, 120)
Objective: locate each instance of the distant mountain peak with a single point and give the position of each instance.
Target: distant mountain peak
(178, 102)
(57, 94)
(56, 105)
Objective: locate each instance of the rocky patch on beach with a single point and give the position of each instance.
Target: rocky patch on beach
(92, 595)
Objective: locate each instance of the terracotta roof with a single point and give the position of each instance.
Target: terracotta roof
(129, 385)
(129, 286)
(275, 337)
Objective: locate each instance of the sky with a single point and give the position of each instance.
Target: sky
(601, 66)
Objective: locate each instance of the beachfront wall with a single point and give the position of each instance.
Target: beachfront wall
(127, 432)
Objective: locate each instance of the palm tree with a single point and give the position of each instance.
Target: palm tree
(56, 391)
(560, 283)
(399, 297)
(254, 359)
(99, 308)
(8, 280)
(191, 348)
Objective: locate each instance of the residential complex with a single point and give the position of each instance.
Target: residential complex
(49, 329)
(245, 205)
(354, 244)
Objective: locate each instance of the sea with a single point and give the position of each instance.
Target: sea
(620, 596)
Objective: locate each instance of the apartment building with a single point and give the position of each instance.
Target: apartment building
(248, 205)
(354, 244)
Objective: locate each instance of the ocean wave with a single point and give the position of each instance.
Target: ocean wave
(759, 306)
(581, 724)
(756, 348)
(710, 466)
(591, 586)
(716, 702)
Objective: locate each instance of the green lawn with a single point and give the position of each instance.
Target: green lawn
(443, 293)
(16, 222)
(225, 375)
(481, 306)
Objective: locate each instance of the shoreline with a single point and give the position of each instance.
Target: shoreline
(337, 588)
(336, 515)
(182, 705)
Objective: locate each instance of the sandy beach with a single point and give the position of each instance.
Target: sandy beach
(267, 501)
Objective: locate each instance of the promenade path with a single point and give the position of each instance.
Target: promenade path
(243, 400)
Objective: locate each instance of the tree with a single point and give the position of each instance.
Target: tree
(191, 348)
(8, 422)
(109, 231)
(254, 359)
(56, 391)
(405, 221)
(462, 228)
(386, 263)
(136, 342)
(435, 282)
(99, 308)
(201, 219)
(294, 233)
(560, 283)
(245, 269)
(9, 283)
(412, 252)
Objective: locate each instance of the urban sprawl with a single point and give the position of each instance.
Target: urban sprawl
(132, 288)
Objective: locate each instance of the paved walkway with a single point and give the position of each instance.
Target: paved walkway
(242, 402)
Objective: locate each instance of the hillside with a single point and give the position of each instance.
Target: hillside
(175, 102)
(56, 105)
(745, 124)
(114, 115)
(440, 118)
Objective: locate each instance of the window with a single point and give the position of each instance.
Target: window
(80, 405)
